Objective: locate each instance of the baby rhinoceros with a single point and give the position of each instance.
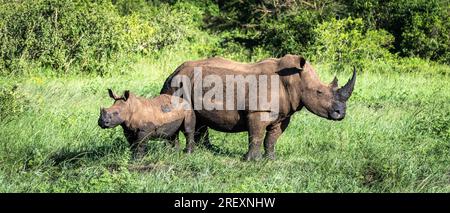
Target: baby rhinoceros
(142, 119)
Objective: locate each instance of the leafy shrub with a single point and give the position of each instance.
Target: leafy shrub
(12, 102)
(176, 23)
(91, 36)
(428, 36)
(277, 27)
(417, 28)
(348, 42)
(421, 27)
(292, 33)
(59, 34)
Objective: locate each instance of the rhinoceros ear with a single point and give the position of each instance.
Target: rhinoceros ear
(302, 62)
(126, 95)
(112, 95)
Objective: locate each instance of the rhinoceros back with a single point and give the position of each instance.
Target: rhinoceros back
(267, 65)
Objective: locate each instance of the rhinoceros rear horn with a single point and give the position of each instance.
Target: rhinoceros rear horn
(346, 91)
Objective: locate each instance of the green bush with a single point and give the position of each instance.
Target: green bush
(421, 27)
(89, 36)
(348, 42)
(13, 102)
(291, 33)
(428, 36)
(275, 27)
(176, 23)
(60, 34)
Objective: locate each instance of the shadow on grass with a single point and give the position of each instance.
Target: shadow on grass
(218, 151)
(157, 146)
(72, 157)
(87, 153)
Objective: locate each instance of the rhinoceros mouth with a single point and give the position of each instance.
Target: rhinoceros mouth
(336, 116)
(102, 124)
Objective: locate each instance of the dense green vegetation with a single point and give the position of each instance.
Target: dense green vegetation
(57, 58)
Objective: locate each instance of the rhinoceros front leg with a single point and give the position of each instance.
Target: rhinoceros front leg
(134, 141)
(273, 133)
(139, 146)
(256, 129)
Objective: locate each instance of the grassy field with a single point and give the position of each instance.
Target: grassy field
(395, 138)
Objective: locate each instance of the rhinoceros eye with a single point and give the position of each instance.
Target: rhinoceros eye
(115, 113)
(319, 92)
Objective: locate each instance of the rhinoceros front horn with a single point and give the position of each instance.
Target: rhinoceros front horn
(346, 91)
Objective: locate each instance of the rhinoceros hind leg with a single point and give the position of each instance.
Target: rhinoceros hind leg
(189, 131)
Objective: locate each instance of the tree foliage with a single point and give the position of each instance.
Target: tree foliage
(420, 28)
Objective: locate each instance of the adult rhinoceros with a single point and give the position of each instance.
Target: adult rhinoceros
(299, 86)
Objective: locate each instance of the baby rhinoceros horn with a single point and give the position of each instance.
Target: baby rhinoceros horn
(346, 91)
(334, 83)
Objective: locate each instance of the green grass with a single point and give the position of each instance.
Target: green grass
(395, 138)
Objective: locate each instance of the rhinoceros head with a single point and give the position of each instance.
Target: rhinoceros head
(117, 113)
(324, 100)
